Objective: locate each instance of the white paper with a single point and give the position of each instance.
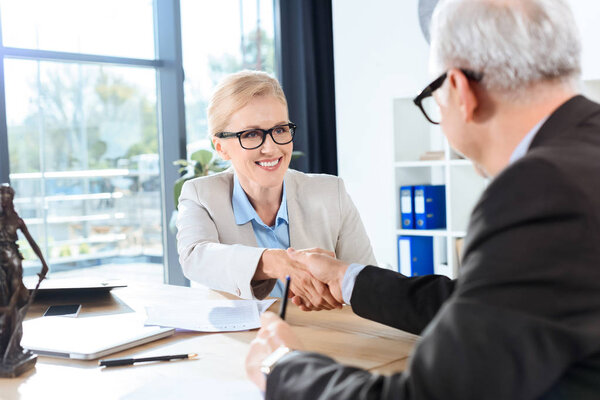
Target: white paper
(405, 257)
(210, 315)
(263, 305)
(406, 205)
(419, 202)
(178, 388)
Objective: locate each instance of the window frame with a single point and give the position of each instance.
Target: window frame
(170, 110)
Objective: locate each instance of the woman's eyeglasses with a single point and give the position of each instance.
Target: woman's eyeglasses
(254, 138)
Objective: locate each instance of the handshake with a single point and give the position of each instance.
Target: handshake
(316, 276)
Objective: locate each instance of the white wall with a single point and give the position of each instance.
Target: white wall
(587, 15)
(380, 54)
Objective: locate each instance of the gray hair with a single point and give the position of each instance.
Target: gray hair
(514, 43)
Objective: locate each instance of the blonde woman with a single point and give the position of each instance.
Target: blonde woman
(233, 227)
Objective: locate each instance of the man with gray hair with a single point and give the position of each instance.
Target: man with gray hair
(523, 319)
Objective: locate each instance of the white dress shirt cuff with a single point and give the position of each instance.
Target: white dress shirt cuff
(349, 280)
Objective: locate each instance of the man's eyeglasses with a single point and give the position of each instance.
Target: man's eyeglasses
(254, 138)
(426, 102)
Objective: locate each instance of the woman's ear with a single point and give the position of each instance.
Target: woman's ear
(218, 145)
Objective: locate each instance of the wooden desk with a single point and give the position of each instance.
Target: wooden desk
(219, 372)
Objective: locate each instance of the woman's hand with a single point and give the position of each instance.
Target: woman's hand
(315, 294)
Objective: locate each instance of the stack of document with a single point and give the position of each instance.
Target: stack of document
(209, 315)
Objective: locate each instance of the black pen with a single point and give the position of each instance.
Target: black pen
(284, 298)
(115, 362)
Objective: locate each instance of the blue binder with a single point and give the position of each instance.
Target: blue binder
(415, 255)
(407, 201)
(430, 206)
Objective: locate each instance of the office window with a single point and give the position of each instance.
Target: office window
(83, 122)
(240, 36)
(83, 136)
(83, 154)
(108, 27)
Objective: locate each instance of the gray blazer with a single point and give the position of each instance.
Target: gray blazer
(216, 252)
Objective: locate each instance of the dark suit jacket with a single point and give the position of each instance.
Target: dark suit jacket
(523, 319)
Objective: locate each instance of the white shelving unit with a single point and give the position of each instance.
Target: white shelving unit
(413, 136)
(371, 124)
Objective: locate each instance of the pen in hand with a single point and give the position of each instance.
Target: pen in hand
(115, 362)
(284, 298)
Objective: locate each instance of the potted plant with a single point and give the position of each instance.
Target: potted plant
(201, 163)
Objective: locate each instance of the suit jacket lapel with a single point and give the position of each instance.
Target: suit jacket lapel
(297, 234)
(245, 232)
(560, 122)
(247, 236)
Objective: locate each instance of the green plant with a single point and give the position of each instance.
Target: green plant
(201, 163)
(64, 251)
(84, 248)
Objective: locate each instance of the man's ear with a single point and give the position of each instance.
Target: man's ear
(219, 148)
(467, 99)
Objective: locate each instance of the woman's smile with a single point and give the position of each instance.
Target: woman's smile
(269, 165)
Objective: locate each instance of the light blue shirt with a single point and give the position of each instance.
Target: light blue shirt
(354, 269)
(349, 280)
(269, 237)
(523, 146)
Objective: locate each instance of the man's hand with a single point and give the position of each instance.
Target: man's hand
(323, 267)
(323, 299)
(273, 334)
(315, 294)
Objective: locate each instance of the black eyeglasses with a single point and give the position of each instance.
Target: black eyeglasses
(251, 139)
(427, 104)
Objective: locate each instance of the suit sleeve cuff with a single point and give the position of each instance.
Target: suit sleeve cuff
(349, 280)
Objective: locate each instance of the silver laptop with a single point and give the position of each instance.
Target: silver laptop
(88, 338)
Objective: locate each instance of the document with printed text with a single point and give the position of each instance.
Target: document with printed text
(210, 315)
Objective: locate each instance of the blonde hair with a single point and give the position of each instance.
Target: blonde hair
(235, 91)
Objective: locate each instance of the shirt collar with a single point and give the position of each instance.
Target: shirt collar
(523, 146)
(243, 210)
